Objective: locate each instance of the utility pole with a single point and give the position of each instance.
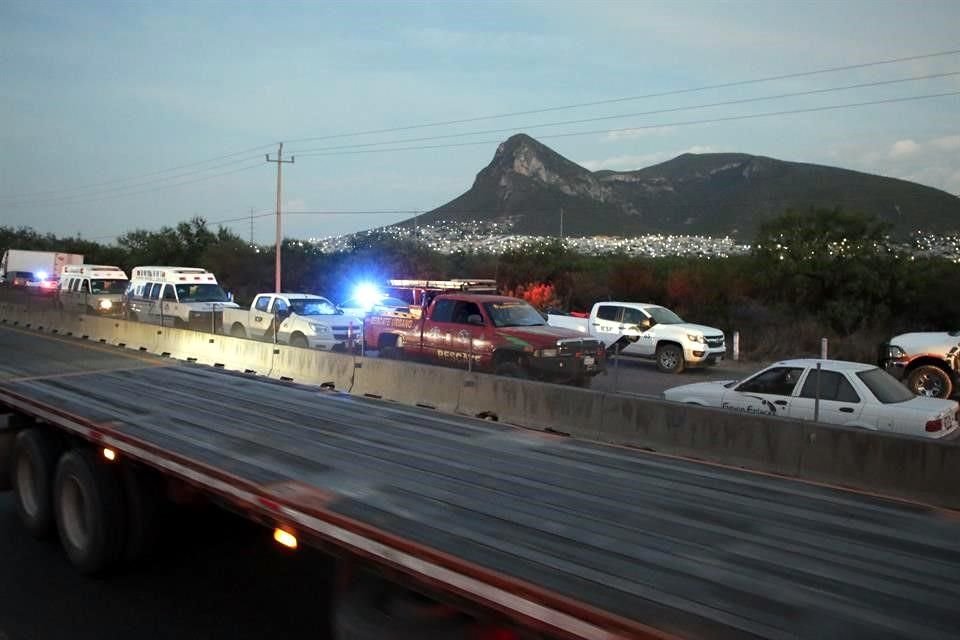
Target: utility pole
(251, 226)
(280, 162)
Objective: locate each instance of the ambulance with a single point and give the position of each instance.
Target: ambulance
(182, 297)
(94, 289)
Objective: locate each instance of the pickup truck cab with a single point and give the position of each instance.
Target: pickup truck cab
(649, 331)
(298, 319)
(490, 333)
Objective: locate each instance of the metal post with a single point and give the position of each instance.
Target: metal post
(616, 367)
(823, 348)
(213, 318)
(470, 357)
(736, 346)
(363, 333)
(816, 400)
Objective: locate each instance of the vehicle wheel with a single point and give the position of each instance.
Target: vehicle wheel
(298, 340)
(931, 381)
(238, 331)
(88, 503)
(670, 358)
(511, 369)
(373, 609)
(391, 352)
(35, 454)
(179, 324)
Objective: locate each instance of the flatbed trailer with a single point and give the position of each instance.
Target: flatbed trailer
(549, 536)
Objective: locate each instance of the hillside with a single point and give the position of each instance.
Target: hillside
(710, 194)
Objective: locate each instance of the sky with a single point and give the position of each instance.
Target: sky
(125, 115)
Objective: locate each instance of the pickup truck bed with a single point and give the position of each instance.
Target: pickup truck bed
(598, 541)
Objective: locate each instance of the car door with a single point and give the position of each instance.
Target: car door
(439, 332)
(768, 392)
(280, 311)
(645, 343)
(839, 401)
(260, 317)
(606, 324)
(168, 301)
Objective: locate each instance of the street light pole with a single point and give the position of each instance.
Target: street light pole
(280, 162)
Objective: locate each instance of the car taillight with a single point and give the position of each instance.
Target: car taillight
(934, 425)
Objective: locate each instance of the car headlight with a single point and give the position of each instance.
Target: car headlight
(106, 304)
(894, 352)
(546, 353)
(320, 329)
(692, 337)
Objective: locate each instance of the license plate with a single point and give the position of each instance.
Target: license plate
(589, 361)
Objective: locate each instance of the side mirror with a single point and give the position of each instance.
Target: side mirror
(475, 319)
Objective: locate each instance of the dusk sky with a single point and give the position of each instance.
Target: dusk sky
(124, 115)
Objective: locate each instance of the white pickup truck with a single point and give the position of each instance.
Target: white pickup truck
(928, 362)
(649, 331)
(298, 319)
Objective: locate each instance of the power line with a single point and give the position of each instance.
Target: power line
(767, 114)
(662, 94)
(780, 96)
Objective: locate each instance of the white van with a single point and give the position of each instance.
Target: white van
(94, 289)
(184, 297)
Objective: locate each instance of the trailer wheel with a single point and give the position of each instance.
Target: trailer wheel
(88, 503)
(373, 609)
(35, 454)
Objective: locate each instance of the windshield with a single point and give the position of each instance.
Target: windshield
(662, 315)
(108, 286)
(513, 314)
(312, 307)
(201, 293)
(885, 387)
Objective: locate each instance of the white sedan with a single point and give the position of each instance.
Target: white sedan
(850, 394)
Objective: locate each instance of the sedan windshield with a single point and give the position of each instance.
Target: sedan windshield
(201, 293)
(884, 387)
(108, 286)
(513, 314)
(312, 307)
(662, 315)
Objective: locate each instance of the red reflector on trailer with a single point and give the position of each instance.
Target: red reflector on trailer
(934, 425)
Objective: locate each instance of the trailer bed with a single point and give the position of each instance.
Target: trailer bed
(579, 538)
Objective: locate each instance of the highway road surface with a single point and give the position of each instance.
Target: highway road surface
(696, 550)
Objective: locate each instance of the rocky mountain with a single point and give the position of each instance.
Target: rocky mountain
(709, 194)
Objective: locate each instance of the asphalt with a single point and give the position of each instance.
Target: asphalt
(695, 550)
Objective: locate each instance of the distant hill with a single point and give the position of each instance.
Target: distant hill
(708, 194)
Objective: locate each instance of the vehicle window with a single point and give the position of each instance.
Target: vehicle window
(662, 315)
(201, 293)
(833, 386)
(609, 312)
(85, 286)
(463, 309)
(312, 307)
(280, 305)
(154, 290)
(443, 310)
(65, 284)
(633, 316)
(778, 381)
(513, 313)
(75, 284)
(262, 303)
(884, 387)
(169, 293)
(107, 286)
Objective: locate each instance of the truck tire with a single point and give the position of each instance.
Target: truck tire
(373, 609)
(511, 369)
(299, 340)
(34, 463)
(88, 503)
(931, 381)
(238, 331)
(670, 358)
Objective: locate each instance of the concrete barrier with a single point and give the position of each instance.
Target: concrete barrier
(577, 412)
(409, 383)
(310, 366)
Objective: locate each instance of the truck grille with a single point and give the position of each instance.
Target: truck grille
(571, 347)
(342, 332)
(714, 341)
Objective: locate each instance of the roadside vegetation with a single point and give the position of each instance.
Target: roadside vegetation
(822, 274)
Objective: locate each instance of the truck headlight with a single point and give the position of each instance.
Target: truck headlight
(696, 338)
(546, 353)
(106, 305)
